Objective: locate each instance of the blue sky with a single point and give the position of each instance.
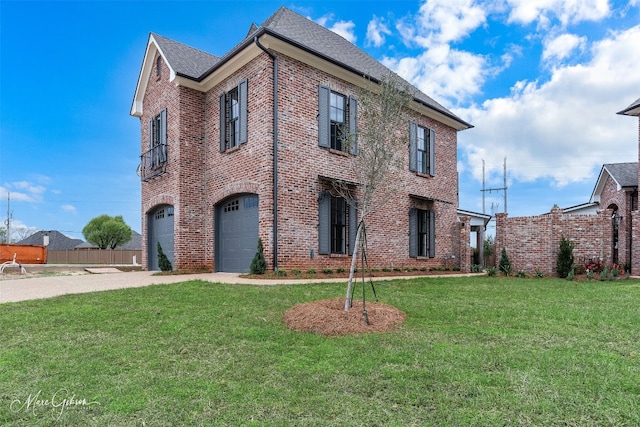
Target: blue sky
(541, 81)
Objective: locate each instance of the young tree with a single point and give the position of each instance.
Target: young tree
(105, 231)
(504, 264)
(163, 261)
(381, 150)
(258, 264)
(564, 262)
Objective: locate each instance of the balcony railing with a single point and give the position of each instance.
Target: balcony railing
(153, 162)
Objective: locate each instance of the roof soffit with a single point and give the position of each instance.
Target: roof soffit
(236, 60)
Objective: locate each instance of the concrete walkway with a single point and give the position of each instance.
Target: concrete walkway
(23, 288)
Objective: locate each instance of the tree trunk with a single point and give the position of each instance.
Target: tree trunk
(354, 257)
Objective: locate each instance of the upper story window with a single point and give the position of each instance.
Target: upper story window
(422, 155)
(233, 117)
(337, 121)
(338, 118)
(158, 66)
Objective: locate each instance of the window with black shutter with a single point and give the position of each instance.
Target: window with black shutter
(233, 117)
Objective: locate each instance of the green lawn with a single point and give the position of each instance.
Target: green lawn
(473, 352)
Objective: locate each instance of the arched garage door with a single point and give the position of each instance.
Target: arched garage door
(160, 229)
(236, 233)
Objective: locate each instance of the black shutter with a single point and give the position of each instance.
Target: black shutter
(432, 152)
(242, 101)
(413, 146)
(353, 125)
(432, 233)
(223, 122)
(163, 137)
(413, 232)
(324, 224)
(324, 123)
(151, 134)
(353, 224)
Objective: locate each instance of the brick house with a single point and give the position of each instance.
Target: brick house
(245, 146)
(633, 220)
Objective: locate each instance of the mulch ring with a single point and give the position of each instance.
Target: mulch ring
(327, 317)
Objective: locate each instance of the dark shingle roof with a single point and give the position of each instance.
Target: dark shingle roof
(57, 240)
(625, 174)
(299, 31)
(185, 60)
(629, 111)
(314, 37)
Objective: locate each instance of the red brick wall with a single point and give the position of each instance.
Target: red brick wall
(199, 176)
(532, 242)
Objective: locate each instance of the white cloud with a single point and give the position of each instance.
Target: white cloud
(565, 128)
(345, 29)
(443, 72)
(342, 28)
(442, 22)
(376, 31)
(566, 11)
(23, 191)
(68, 208)
(562, 46)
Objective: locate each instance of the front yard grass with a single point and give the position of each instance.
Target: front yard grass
(474, 351)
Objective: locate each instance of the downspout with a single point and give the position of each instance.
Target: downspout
(275, 151)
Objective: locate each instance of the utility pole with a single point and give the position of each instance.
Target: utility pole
(504, 188)
(8, 217)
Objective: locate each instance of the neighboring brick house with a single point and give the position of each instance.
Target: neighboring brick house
(617, 190)
(246, 145)
(606, 228)
(634, 218)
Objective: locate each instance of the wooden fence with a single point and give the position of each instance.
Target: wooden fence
(94, 256)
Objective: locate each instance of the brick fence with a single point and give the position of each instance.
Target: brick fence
(533, 242)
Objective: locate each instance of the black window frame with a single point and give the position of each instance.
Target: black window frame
(337, 123)
(422, 160)
(422, 233)
(338, 120)
(337, 224)
(234, 116)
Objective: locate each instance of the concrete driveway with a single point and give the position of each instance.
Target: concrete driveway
(20, 288)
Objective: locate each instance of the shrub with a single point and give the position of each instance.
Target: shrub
(387, 269)
(570, 276)
(540, 274)
(476, 268)
(590, 274)
(327, 270)
(281, 273)
(594, 265)
(492, 271)
(163, 261)
(311, 271)
(341, 270)
(504, 264)
(296, 271)
(564, 263)
(522, 274)
(258, 263)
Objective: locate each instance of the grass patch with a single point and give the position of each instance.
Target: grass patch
(473, 351)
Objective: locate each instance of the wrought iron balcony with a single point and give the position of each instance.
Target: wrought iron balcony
(153, 162)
